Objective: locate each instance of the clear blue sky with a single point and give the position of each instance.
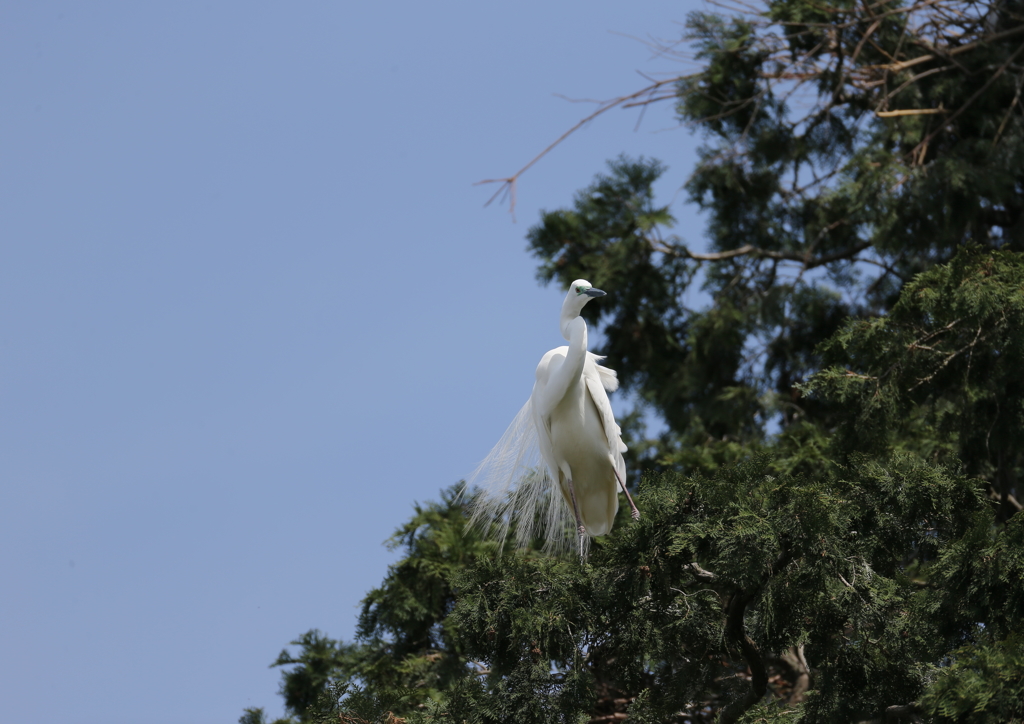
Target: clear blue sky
(252, 308)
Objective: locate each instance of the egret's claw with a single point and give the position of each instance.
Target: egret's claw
(635, 514)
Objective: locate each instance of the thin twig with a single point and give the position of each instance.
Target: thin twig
(895, 67)
(1016, 97)
(923, 145)
(509, 183)
(913, 80)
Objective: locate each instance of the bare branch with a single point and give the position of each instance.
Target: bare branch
(509, 184)
(923, 145)
(949, 358)
(913, 80)
(807, 260)
(719, 255)
(699, 573)
(737, 635)
(608, 718)
(903, 711)
(895, 67)
(1016, 97)
(910, 112)
(793, 657)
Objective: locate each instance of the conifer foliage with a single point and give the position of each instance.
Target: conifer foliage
(831, 525)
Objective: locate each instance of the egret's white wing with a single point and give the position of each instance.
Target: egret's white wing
(559, 527)
(609, 377)
(547, 368)
(594, 380)
(514, 488)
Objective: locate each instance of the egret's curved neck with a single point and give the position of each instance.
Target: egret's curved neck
(566, 376)
(575, 330)
(569, 315)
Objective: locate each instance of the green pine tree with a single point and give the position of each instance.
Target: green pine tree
(831, 525)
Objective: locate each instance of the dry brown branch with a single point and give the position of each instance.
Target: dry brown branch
(933, 334)
(901, 711)
(608, 718)
(912, 80)
(910, 112)
(736, 634)
(699, 573)
(807, 260)
(794, 658)
(712, 256)
(851, 373)
(567, 99)
(855, 21)
(649, 101)
(881, 50)
(881, 277)
(941, 21)
(743, 7)
(509, 184)
(1016, 98)
(896, 67)
(923, 146)
(871, 29)
(737, 638)
(949, 358)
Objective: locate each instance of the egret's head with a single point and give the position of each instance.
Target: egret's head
(580, 292)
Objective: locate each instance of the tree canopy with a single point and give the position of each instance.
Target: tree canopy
(831, 528)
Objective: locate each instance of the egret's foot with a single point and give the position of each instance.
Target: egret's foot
(583, 541)
(622, 484)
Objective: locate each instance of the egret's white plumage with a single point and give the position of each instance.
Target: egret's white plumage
(568, 426)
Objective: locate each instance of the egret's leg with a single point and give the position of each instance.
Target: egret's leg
(635, 513)
(581, 529)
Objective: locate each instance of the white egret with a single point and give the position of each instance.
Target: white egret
(568, 423)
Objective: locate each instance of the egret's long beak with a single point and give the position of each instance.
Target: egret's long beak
(594, 292)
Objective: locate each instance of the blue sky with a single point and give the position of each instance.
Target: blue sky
(252, 308)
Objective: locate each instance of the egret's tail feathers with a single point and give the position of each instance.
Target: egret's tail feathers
(516, 493)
